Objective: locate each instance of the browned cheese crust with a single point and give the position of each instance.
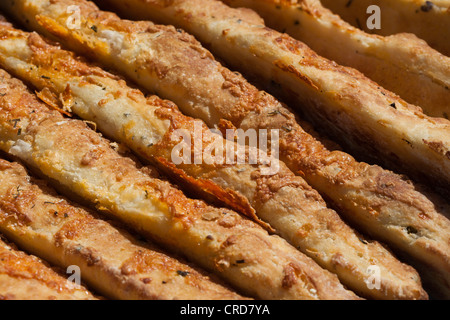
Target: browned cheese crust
(429, 20)
(365, 118)
(110, 259)
(401, 63)
(219, 240)
(202, 88)
(283, 200)
(145, 125)
(25, 277)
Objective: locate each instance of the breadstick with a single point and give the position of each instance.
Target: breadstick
(401, 63)
(429, 20)
(25, 277)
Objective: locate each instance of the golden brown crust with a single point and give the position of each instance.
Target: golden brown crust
(267, 194)
(346, 182)
(269, 41)
(328, 91)
(425, 20)
(152, 119)
(49, 226)
(25, 277)
(237, 94)
(214, 238)
(382, 195)
(401, 63)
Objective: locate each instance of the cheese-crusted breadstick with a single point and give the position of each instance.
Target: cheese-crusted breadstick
(25, 277)
(220, 240)
(109, 259)
(367, 195)
(332, 239)
(429, 20)
(401, 63)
